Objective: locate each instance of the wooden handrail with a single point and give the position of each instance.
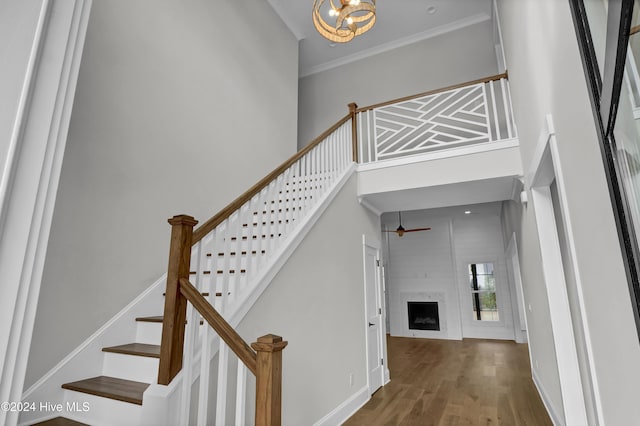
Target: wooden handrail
(220, 325)
(634, 30)
(223, 214)
(433, 92)
(265, 362)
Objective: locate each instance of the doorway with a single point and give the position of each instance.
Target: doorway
(374, 322)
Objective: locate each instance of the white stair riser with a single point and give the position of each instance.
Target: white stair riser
(130, 367)
(149, 332)
(100, 411)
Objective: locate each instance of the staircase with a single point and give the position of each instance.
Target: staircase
(233, 257)
(224, 265)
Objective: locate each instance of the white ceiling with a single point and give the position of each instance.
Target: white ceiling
(399, 22)
(458, 194)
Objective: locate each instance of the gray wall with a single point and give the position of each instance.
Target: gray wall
(451, 58)
(159, 127)
(546, 76)
(316, 302)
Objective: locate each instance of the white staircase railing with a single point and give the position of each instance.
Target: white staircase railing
(468, 114)
(229, 259)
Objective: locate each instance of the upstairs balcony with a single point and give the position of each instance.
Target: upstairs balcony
(451, 146)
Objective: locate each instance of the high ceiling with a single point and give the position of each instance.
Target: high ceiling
(399, 22)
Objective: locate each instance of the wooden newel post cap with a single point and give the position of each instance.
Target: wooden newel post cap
(269, 343)
(183, 219)
(352, 107)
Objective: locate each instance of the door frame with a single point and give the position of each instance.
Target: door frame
(512, 259)
(374, 243)
(546, 168)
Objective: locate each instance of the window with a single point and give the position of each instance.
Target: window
(605, 36)
(482, 283)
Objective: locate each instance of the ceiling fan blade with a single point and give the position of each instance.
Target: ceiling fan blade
(417, 229)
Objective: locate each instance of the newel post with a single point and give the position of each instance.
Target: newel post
(175, 304)
(354, 129)
(269, 380)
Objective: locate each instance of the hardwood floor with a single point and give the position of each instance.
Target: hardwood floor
(449, 382)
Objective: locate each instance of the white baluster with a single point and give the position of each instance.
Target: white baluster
(265, 207)
(512, 118)
(187, 363)
(486, 111)
(220, 247)
(254, 213)
(243, 260)
(191, 330)
(361, 139)
(375, 135)
(283, 201)
(205, 374)
(272, 211)
(223, 375)
(234, 261)
(506, 107)
(241, 391)
(300, 176)
(495, 110)
(293, 198)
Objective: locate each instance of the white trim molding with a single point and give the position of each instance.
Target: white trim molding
(345, 410)
(395, 44)
(33, 176)
(545, 169)
(551, 409)
(444, 153)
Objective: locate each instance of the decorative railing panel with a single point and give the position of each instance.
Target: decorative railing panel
(467, 115)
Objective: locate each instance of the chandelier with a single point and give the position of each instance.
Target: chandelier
(352, 18)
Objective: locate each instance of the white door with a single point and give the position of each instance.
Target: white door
(373, 313)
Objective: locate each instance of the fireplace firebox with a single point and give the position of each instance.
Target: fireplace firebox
(423, 316)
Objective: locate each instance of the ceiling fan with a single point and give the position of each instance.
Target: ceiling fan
(401, 231)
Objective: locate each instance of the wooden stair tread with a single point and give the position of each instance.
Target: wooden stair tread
(110, 387)
(60, 421)
(205, 294)
(158, 318)
(139, 349)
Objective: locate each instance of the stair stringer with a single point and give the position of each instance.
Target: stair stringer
(161, 403)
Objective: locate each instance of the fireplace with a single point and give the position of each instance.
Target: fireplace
(423, 316)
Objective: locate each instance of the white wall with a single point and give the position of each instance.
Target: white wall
(451, 58)
(435, 262)
(316, 303)
(547, 77)
(160, 127)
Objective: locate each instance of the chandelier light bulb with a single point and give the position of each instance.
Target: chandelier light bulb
(349, 18)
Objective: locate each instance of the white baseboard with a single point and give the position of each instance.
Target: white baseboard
(553, 412)
(345, 410)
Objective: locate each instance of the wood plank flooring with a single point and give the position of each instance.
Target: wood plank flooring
(449, 382)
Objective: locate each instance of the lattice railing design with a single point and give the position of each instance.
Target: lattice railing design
(467, 115)
(230, 261)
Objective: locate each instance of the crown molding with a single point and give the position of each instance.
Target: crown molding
(434, 32)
